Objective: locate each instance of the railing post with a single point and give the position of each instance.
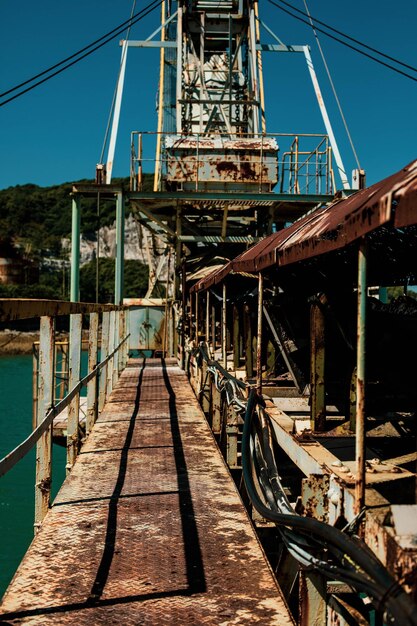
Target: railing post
(110, 364)
(92, 386)
(104, 352)
(122, 334)
(127, 330)
(74, 379)
(44, 445)
(116, 358)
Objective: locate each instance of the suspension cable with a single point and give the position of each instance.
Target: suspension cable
(345, 43)
(137, 18)
(360, 43)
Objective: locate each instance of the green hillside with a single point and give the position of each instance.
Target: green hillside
(34, 220)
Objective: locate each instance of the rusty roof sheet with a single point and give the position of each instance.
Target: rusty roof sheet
(405, 194)
(348, 220)
(212, 278)
(332, 227)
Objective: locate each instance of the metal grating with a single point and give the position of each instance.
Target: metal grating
(148, 528)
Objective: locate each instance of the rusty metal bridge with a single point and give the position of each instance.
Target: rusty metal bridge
(248, 453)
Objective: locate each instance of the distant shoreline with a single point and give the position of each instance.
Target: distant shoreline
(21, 342)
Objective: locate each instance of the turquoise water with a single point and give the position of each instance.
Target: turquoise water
(17, 487)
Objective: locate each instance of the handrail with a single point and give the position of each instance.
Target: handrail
(100, 380)
(12, 309)
(16, 455)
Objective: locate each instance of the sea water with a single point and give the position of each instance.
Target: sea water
(17, 488)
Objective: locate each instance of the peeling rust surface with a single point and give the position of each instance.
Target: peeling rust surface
(148, 528)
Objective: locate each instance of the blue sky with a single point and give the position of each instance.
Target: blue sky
(54, 134)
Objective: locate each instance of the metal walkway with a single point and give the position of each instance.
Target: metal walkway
(149, 527)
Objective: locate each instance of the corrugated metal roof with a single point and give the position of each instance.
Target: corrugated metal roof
(392, 200)
(405, 194)
(347, 220)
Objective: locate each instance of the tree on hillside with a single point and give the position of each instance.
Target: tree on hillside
(135, 280)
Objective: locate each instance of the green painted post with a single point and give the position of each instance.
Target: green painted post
(75, 250)
(360, 379)
(120, 249)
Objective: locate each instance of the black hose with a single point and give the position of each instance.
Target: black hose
(394, 597)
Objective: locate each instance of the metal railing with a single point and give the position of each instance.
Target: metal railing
(104, 368)
(304, 163)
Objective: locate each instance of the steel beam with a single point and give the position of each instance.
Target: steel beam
(116, 114)
(326, 119)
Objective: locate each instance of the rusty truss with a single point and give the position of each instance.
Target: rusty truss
(149, 527)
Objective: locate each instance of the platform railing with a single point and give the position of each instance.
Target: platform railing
(104, 368)
(304, 163)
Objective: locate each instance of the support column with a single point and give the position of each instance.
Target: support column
(75, 250)
(120, 249)
(43, 477)
(208, 319)
(360, 380)
(224, 328)
(313, 609)
(197, 312)
(317, 364)
(74, 379)
(259, 339)
(184, 313)
(247, 328)
(236, 338)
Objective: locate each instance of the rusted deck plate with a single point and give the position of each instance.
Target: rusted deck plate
(149, 527)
